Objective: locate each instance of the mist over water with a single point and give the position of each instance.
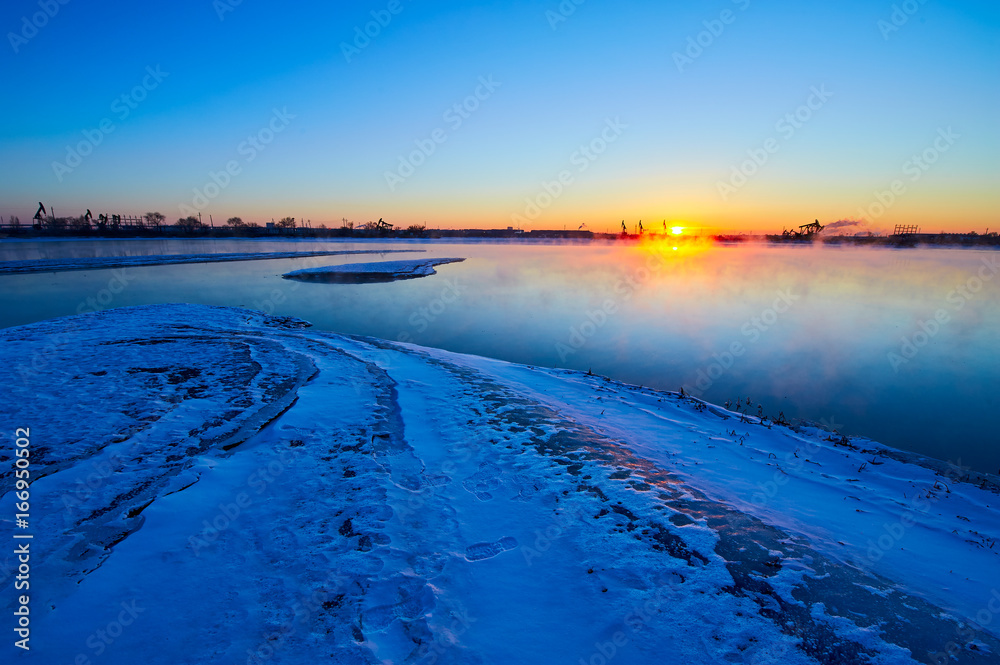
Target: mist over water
(897, 345)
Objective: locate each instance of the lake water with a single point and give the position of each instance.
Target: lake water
(897, 345)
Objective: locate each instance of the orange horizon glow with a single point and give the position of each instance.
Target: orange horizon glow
(750, 224)
(752, 219)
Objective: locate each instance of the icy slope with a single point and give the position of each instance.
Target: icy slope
(215, 485)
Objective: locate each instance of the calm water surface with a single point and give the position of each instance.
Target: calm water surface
(897, 345)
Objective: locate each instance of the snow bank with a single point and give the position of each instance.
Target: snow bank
(381, 271)
(217, 485)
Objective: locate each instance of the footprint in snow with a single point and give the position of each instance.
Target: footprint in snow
(482, 481)
(436, 480)
(413, 600)
(377, 619)
(526, 486)
(428, 566)
(481, 551)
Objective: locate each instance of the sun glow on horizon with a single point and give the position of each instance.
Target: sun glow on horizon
(674, 247)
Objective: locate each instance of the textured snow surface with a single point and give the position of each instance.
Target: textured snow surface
(379, 271)
(106, 262)
(214, 485)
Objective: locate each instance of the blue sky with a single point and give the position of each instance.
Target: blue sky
(229, 67)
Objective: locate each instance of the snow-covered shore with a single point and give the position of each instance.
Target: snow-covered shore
(217, 485)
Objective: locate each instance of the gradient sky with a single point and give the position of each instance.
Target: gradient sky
(230, 66)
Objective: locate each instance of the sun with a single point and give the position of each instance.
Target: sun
(677, 230)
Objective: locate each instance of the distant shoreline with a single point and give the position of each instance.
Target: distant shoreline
(911, 240)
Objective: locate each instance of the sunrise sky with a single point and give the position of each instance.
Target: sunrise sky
(730, 115)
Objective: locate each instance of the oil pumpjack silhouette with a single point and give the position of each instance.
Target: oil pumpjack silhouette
(805, 231)
(40, 215)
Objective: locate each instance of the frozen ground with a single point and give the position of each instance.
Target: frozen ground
(218, 486)
(107, 262)
(379, 271)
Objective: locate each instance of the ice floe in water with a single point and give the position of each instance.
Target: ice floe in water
(379, 271)
(218, 485)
